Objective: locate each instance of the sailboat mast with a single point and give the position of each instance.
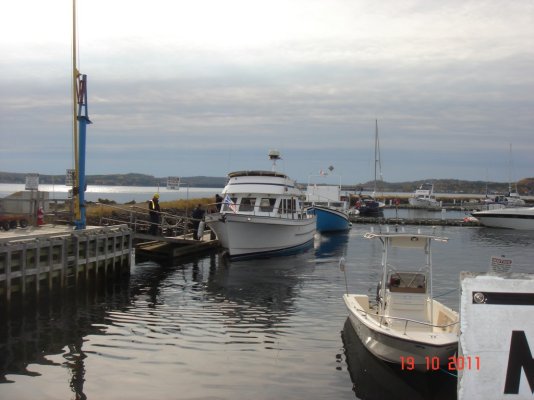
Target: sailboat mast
(377, 157)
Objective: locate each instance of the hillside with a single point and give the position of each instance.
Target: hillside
(524, 186)
(131, 179)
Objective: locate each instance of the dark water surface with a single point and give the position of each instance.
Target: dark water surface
(206, 328)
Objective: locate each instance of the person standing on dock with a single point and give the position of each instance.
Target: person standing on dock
(198, 214)
(218, 202)
(154, 210)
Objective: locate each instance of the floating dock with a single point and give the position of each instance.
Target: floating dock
(49, 257)
(413, 221)
(173, 247)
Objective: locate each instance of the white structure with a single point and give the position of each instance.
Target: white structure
(261, 213)
(25, 202)
(497, 337)
(406, 325)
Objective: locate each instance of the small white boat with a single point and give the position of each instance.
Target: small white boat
(405, 324)
(262, 214)
(424, 197)
(511, 218)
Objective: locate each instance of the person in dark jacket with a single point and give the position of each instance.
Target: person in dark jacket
(198, 214)
(218, 202)
(154, 213)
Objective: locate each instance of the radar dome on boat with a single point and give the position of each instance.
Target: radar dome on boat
(274, 155)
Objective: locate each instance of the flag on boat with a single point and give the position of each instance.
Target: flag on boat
(229, 203)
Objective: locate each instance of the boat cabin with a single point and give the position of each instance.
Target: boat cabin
(264, 205)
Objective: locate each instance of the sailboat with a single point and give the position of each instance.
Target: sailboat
(512, 198)
(368, 205)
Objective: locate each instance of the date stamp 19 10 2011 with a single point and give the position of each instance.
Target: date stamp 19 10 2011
(455, 363)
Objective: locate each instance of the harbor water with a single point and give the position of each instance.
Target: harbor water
(210, 328)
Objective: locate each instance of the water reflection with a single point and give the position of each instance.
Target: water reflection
(331, 245)
(375, 379)
(57, 325)
(256, 297)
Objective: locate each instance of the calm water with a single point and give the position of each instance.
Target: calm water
(120, 194)
(206, 328)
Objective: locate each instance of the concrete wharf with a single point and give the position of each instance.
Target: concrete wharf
(53, 257)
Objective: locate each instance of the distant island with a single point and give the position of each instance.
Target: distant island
(525, 186)
(131, 179)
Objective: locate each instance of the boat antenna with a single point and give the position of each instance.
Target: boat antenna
(274, 155)
(342, 265)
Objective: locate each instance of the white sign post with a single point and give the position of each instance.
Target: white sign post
(173, 183)
(69, 177)
(32, 182)
(496, 348)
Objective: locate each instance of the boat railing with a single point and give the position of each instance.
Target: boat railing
(256, 211)
(406, 321)
(137, 219)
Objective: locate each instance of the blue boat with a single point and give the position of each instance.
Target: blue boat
(330, 219)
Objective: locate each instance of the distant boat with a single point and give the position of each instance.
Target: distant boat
(324, 201)
(423, 197)
(405, 322)
(511, 218)
(368, 205)
(512, 198)
(262, 214)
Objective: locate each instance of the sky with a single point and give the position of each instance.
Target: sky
(205, 87)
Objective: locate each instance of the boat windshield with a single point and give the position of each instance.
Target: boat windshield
(407, 282)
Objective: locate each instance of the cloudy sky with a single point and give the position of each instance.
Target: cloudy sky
(205, 87)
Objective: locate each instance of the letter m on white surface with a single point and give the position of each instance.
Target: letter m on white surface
(520, 358)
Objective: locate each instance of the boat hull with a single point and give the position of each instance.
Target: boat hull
(397, 345)
(510, 218)
(329, 219)
(249, 235)
(423, 203)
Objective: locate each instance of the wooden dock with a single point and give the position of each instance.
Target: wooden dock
(172, 247)
(55, 257)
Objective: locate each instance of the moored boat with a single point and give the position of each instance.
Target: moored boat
(423, 197)
(511, 218)
(510, 199)
(329, 218)
(405, 324)
(262, 214)
(324, 201)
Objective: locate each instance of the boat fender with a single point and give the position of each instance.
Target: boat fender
(200, 231)
(378, 287)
